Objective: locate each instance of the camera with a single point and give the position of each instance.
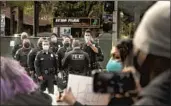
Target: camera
(113, 82)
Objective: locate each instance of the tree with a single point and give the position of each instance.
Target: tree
(78, 9)
(20, 5)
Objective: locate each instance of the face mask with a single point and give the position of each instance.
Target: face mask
(26, 45)
(46, 48)
(54, 39)
(87, 37)
(66, 44)
(114, 66)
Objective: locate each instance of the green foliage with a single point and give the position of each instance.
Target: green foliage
(19, 3)
(79, 9)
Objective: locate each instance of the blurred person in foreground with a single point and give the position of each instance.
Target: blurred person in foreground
(119, 54)
(19, 44)
(31, 57)
(17, 88)
(151, 58)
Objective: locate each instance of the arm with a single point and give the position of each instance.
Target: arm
(37, 65)
(94, 48)
(59, 59)
(87, 58)
(15, 48)
(100, 55)
(65, 60)
(56, 64)
(30, 60)
(17, 55)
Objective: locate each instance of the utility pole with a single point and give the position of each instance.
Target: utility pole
(0, 15)
(36, 18)
(115, 24)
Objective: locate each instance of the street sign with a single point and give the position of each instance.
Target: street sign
(65, 31)
(77, 22)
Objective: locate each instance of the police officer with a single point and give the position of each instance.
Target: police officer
(21, 54)
(54, 43)
(32, 55)
(46, 67)
(61, 52)
(76, 61)
(19, 45)
(91, 47)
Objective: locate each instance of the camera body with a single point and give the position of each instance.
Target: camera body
(113, 82)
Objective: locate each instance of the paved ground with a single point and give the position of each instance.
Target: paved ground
(54, 96)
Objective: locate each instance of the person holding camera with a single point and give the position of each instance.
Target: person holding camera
(151, 58)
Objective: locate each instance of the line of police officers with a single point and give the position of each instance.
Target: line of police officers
(52, 57)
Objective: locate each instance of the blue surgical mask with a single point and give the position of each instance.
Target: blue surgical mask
(114, 66)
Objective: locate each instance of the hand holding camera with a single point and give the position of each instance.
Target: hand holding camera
(113, 82)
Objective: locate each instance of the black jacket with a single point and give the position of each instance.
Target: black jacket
(92, 55)
(61, 53)
(35, 98)
(76, 61)
(18, 46)
(44, 62)
(21, 56)
(31, 58)
(55, 46)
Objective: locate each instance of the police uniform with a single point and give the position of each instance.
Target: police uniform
(21, 56)
(30, 60)
(92, 55)
(76, 62)
(99, 57)
(61, 53)
(55, 46)
(46, 66)
(17, 47)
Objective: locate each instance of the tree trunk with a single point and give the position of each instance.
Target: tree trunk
(20, 20)
(36, 18)
(12, 20)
